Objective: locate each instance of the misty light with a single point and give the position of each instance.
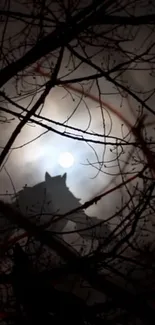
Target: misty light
(66, 160)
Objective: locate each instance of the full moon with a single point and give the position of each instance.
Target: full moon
(66, 160)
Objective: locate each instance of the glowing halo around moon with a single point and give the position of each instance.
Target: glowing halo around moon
(66, 160)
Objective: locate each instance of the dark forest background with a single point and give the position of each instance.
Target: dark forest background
(86, 258)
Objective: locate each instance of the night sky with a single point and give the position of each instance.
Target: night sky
(77, 94)
(95, 167)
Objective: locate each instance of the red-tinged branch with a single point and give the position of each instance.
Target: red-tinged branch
(135, 130)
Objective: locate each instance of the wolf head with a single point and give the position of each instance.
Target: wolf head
(44, 200)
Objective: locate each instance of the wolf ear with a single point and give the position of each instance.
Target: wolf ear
(47, 177)
(64, 177)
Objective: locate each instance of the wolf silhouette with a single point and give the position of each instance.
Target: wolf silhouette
(52, 196)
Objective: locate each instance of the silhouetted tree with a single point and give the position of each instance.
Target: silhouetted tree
(48, 44)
